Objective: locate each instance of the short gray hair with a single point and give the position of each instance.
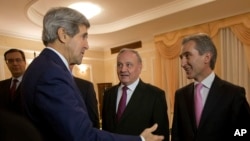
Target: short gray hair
(64, 17)
(203, 44)
(130, 50)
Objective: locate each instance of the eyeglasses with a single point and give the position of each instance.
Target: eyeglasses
(11, 61)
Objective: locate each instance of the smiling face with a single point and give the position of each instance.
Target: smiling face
(195, 65)
(128, 67)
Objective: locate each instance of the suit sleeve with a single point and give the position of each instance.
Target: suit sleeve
(61, 106)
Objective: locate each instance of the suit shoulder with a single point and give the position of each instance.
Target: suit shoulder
(232, 87)
(2, 82)
(111, 89)
(5, 80)
(185, 88)
(82, 80)
(153, 88)
(229, 84)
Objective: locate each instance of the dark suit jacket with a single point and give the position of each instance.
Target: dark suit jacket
(225, 110)
(146, 107)
(6, 103)
(89, 96)
(53, 103)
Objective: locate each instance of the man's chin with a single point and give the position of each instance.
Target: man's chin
(189, 76)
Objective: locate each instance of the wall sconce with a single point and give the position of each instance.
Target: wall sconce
(83, 68)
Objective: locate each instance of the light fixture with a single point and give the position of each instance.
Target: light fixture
(88, 9)
(83, 68)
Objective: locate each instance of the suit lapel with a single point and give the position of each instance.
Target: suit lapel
(190, 104)
(133, 102)
(113, 102)
(212, 101)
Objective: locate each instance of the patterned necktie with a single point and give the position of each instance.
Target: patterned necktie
(122, 103)
(198, 103)
(13, 88)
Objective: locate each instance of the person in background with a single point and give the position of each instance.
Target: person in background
(9, 88)
(89, 96)
(209, 109)
(51, 98)
(145, 103)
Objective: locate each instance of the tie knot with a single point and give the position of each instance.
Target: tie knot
(15, 80)
(124, 88)
(199, 86)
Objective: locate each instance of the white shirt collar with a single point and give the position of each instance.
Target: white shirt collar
(207, 82)
(132, 86)
(61, 56)
(18, 78)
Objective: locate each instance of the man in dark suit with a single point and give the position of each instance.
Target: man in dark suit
(16, 63)
(145, 103)
(89, 96)
(224, 110)
(51, 98)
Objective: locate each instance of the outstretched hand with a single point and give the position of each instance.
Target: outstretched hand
(148, 136)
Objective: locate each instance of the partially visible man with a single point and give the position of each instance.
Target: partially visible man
(144, 105)
(210, 109)
(9, 88)
(51, 98)
(89, 96)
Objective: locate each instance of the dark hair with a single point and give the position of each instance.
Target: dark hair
(14, 50)
(204, 44)
(67, 18)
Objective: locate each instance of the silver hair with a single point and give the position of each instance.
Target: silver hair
(64, 17)
(131, 50)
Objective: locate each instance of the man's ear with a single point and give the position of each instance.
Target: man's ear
(208, 57)
(61, 35)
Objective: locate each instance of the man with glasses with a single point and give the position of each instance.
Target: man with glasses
(9, 88)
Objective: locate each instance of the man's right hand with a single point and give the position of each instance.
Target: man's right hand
(148, 136)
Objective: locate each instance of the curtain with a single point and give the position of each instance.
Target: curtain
(234, 62)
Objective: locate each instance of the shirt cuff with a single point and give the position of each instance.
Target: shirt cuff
(142, 138)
